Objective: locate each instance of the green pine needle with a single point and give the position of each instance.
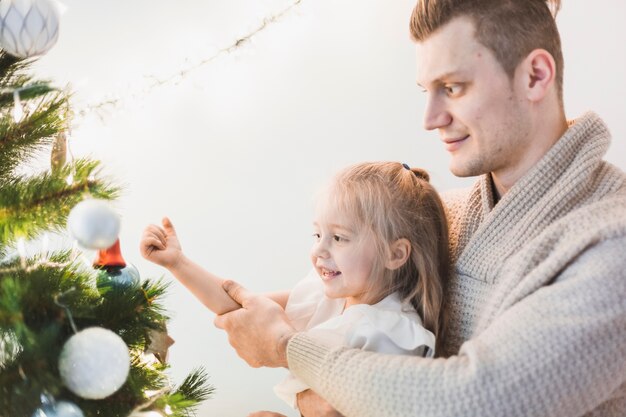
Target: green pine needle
(32, 205)
(43, 301)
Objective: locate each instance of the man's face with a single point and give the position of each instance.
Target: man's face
(477, 109)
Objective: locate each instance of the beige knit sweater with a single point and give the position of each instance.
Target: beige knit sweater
(538, 303)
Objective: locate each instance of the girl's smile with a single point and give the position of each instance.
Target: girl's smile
(344, 255)
(328, 274)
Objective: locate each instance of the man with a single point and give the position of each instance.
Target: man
(537, 301)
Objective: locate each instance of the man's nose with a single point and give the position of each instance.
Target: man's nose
(436, 114)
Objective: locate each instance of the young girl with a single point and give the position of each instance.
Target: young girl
(380, 259)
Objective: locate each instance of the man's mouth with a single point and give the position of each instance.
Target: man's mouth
(452, 144)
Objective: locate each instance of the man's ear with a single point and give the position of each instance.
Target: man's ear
(538, 71)
(399, 252)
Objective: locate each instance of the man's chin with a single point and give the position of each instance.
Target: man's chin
(464, 170)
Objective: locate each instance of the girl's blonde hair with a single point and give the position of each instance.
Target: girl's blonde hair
(396, 202)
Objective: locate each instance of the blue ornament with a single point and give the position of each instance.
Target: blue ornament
(113, 272)
(118, 277)
(59, 409)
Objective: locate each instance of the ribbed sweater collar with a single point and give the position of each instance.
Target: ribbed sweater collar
(559, 182)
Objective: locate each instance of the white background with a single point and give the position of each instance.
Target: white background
(235, 151)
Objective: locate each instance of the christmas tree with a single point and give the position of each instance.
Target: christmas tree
(74, 340)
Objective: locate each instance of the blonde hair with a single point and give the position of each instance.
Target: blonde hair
(394, 203)
(511, 29)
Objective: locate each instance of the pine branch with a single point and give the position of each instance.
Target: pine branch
(132, 313)
(27, 90)
(194, 389)
(37, 327)
(12, 69)
(20, 141)
(44, 299)
(184, 401)
(8, 63)
(31, 205)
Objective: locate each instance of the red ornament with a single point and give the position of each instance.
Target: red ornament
(110, 257)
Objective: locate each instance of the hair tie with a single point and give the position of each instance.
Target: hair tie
(418, 172)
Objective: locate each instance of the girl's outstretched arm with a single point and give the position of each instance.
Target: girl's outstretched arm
(161, 246)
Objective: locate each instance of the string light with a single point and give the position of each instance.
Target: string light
(18, 109)
(45, 253)
(44, 261)
(21, 250)
(68, 312)
(178, 76)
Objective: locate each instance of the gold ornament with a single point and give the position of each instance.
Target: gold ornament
(58, 156)
(159, 344)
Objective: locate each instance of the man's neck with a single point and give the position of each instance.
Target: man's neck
(504, 179)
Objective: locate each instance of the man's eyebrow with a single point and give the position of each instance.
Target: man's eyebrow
(445, 76)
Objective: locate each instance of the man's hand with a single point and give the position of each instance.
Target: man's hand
(160, 244)
(312, 405)
(259, 331)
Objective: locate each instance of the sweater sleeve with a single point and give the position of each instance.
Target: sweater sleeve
(561, 351)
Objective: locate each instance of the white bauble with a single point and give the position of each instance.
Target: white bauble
(94, 363)
(94, 224)
(28, 27)
(59, 409)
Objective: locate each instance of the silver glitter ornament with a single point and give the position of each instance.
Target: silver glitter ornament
(59, 409)
(94, 363)
(28, 27)
(94, 224)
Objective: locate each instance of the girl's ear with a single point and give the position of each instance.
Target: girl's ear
(399, 252)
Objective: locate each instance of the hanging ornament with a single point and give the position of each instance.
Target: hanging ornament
(58, 156)
(159, 344)
(94, 363)
(52, 408)
(59, 409)
(28, 27)
(94, 224)
(114, 273)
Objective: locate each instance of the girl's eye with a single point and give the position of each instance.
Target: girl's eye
(317, 236)
(338, 238)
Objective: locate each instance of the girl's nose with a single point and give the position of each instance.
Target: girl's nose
(319, 249)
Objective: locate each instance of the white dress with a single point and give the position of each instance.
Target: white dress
(389, 326)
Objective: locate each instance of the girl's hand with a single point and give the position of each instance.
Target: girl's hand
(160, 244)
(266, 414)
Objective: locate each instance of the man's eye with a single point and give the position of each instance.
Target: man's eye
(452, 89)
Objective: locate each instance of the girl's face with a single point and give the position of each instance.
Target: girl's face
(344, 256)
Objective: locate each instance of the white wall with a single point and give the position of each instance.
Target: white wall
(235, 151)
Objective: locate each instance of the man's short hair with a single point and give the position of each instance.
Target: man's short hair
(511, 29)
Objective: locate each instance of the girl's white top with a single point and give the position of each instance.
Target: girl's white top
(389, 326)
